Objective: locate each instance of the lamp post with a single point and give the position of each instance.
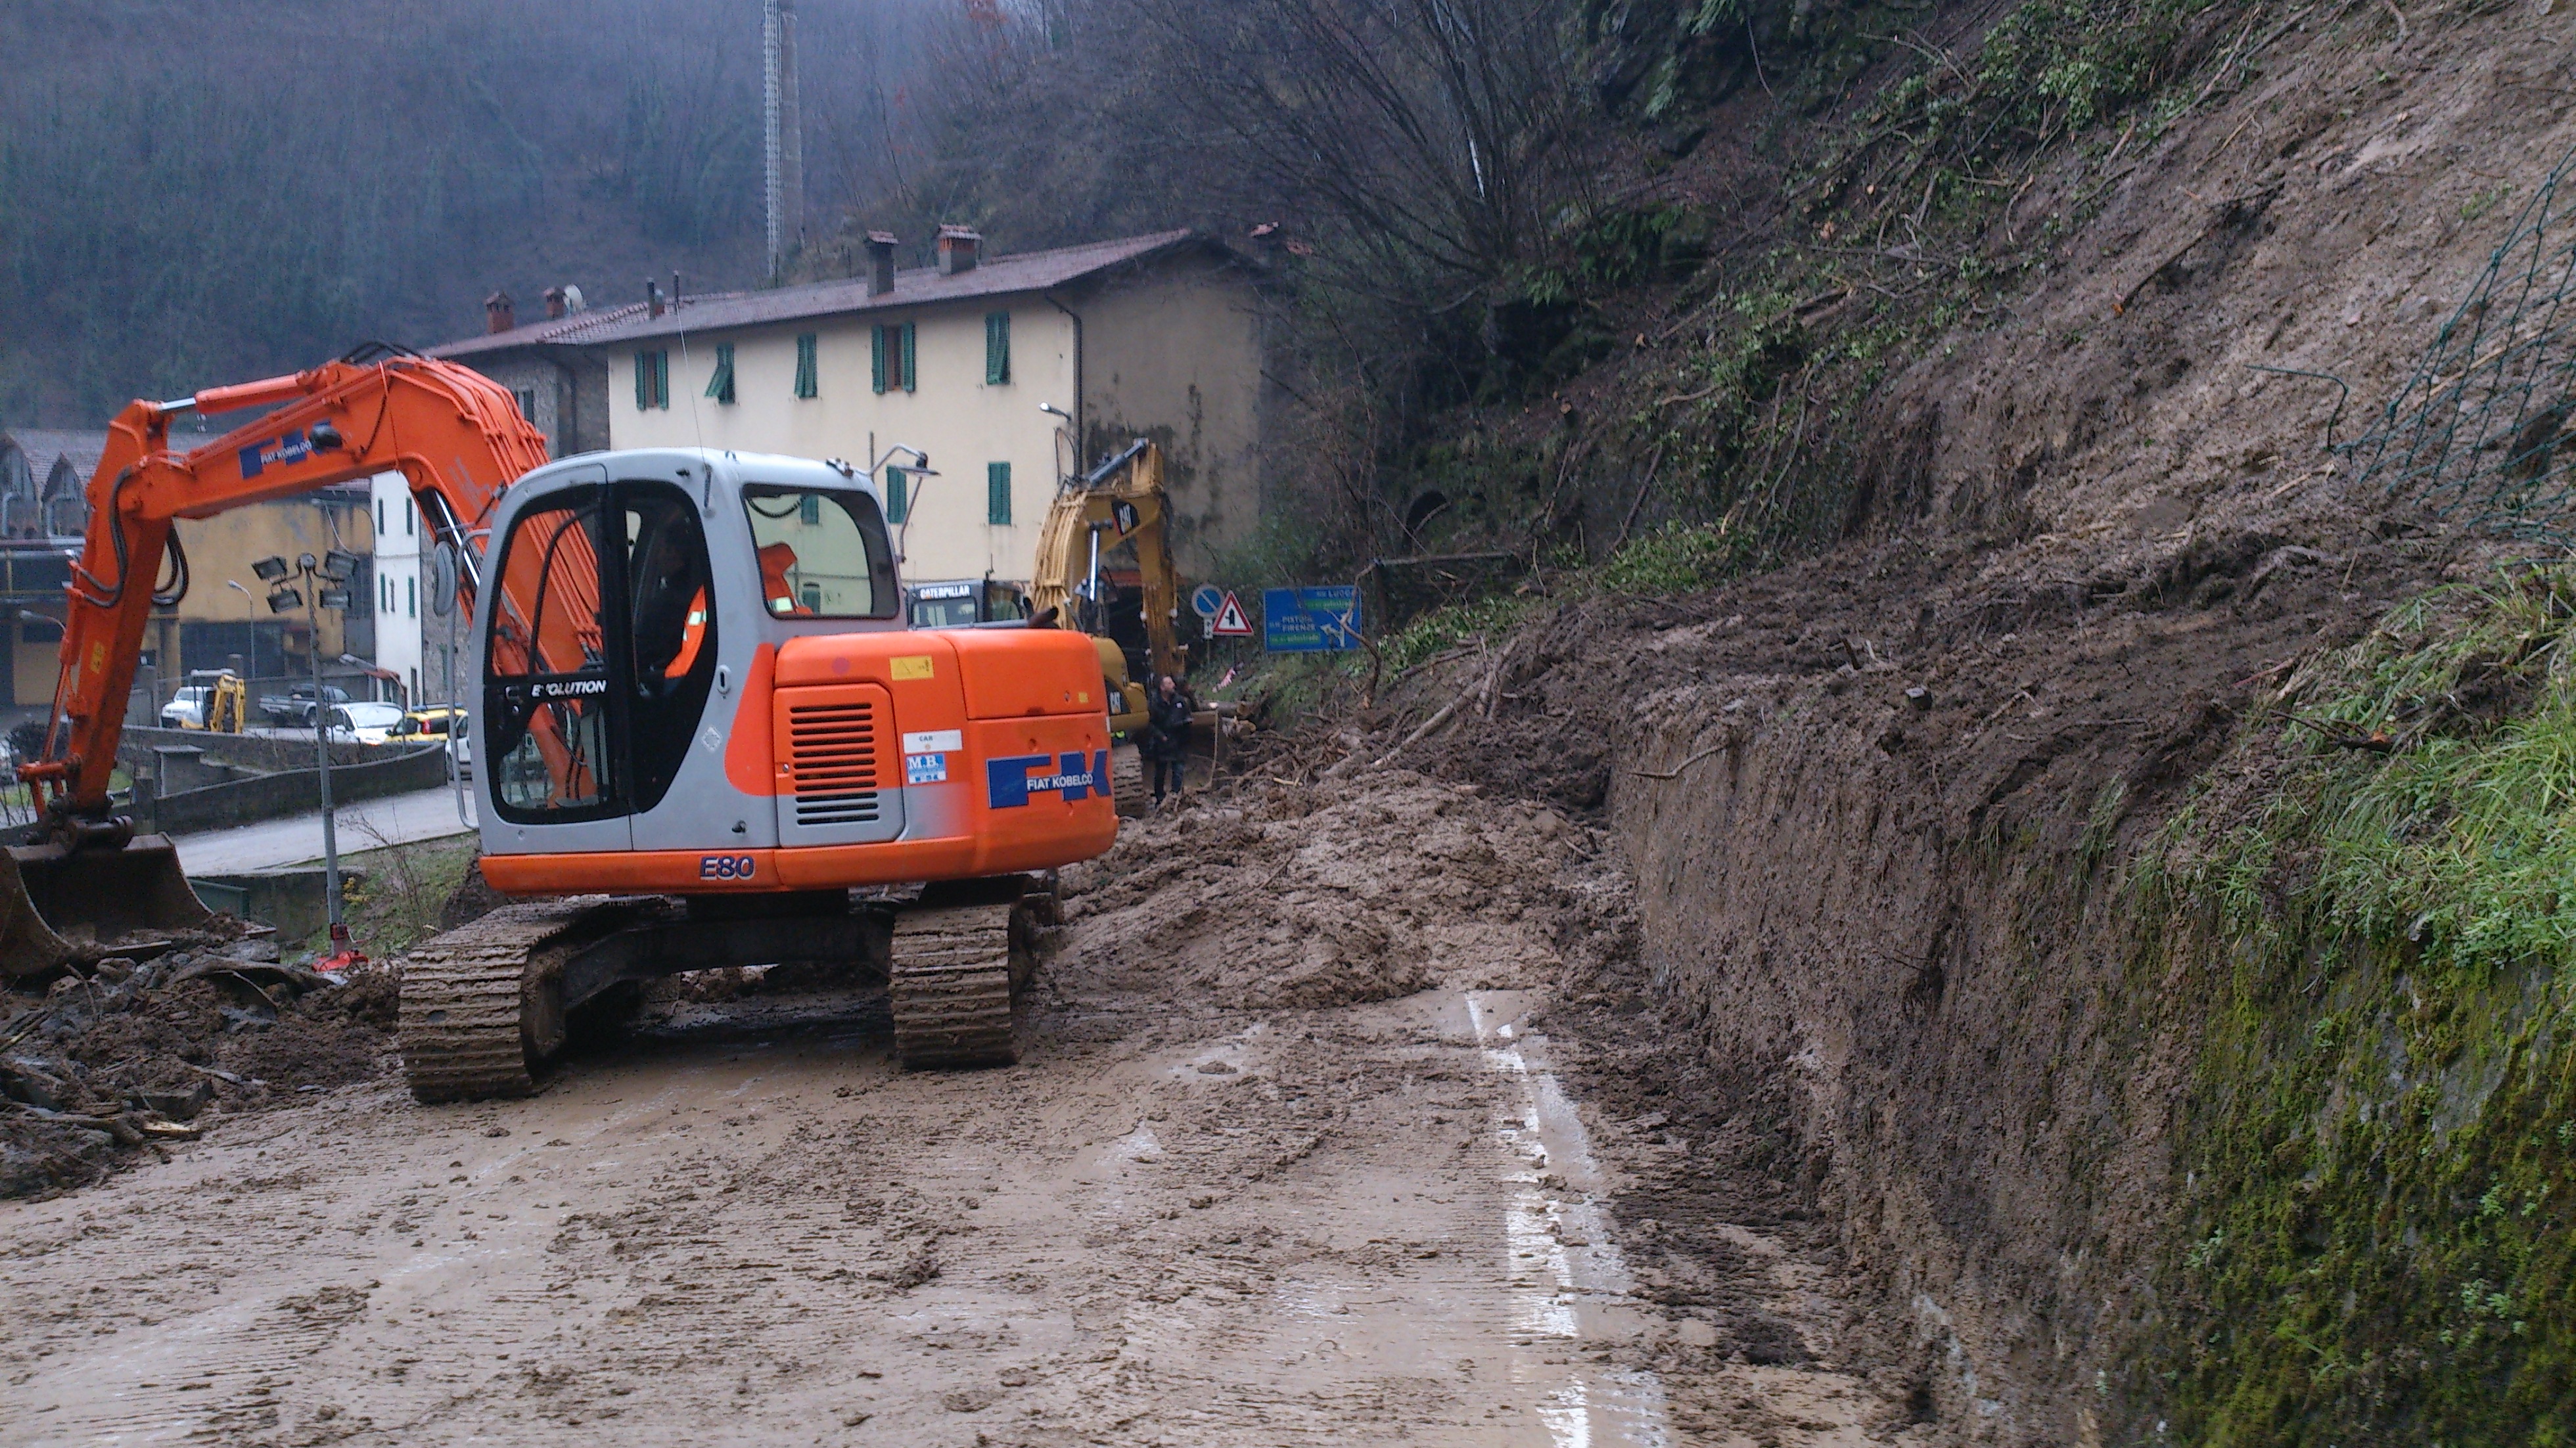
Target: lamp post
(922, 469)
(326, 581)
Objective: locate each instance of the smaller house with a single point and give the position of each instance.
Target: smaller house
(561, 386)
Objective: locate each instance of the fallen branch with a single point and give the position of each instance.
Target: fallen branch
(1448, 712)
(1676, 771)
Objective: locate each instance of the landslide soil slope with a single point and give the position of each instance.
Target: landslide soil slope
(2100, 540)
(1297, 1155)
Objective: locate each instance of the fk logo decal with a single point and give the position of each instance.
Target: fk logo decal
(293, 447)
(1008, 782)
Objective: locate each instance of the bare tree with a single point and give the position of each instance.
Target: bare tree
(1426, 141)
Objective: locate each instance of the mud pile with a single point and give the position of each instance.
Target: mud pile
(101, 1067)
(1286, 897)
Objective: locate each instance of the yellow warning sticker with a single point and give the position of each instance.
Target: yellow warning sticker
(911, 666)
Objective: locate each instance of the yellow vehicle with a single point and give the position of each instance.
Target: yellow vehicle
(212, 700)
(1118, 504)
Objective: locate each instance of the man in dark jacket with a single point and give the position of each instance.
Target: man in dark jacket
(1166, 743)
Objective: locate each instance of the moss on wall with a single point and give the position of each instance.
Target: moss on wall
(2379, 1151)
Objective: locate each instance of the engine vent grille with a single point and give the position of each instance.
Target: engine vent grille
(833, 751)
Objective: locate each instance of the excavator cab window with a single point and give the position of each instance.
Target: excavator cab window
(547, 685)
(670, 632)
(823, 554)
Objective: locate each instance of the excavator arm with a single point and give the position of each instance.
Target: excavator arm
(455, 436)
(1119, 501)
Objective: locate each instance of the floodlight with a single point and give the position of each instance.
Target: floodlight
(269, 569)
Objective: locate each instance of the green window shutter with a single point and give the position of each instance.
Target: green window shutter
(643, 380)
(997, 348)
(877, 358)
(662, 380)
(720, 385)
(805, 366)
(997, 493)
(907, 357)
(894, 499)
(809, 509)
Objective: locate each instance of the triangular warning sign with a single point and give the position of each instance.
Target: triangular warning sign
(1230, 622)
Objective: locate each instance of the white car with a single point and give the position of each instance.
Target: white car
(366, 723)
(186, 709)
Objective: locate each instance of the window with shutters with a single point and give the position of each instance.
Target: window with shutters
(527, 399)
(411, 598)
(897, 506)
(890, 357)
(809, 510)
(720, 385)
(997, 493)
(997, 348)
(807, 381)
(652, 380)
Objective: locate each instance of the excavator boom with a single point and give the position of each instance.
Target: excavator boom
(1118, 502)
(455, 436)
(459, 440)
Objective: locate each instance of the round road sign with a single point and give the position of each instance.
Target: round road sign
(1206, 599)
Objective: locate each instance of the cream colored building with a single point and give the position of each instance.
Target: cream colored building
(1156, 336)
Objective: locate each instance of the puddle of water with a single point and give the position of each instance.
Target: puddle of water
(1569, 1281)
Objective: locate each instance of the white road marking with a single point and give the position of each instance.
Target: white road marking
(1569, 1280)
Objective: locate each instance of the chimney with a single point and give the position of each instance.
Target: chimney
(652, 298)
(554, 304)
(498, 313)
(881, 246)
(957, 248)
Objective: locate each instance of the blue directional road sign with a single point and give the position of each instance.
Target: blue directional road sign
(1310, 620)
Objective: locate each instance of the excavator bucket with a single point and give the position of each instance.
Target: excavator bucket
(62, 906)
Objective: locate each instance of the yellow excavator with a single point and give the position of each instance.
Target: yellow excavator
(1119, 502)
(1114, 503)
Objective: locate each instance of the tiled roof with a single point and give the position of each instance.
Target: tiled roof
(43, 445)
(555, 332)
(995, 276)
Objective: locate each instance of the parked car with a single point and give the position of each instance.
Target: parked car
(367, 723)
(295, 707)
(441, 721)
(187, 708)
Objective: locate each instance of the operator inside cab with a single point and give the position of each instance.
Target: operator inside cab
(671, 602)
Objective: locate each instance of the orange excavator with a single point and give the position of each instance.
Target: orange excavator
(706, 735)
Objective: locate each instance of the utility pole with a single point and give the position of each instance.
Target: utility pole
(326, 585)
(782, 133)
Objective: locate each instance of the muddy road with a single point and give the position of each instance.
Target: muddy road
(1303, 1151)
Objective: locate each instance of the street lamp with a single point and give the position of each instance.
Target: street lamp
(326, 585)
(920, 469)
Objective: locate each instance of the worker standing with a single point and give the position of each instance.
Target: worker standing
(1167, 733)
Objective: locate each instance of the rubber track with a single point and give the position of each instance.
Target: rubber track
(462, 998)
(951, 987)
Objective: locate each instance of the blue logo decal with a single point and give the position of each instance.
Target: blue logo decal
(289, 448)
(1008, 783)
